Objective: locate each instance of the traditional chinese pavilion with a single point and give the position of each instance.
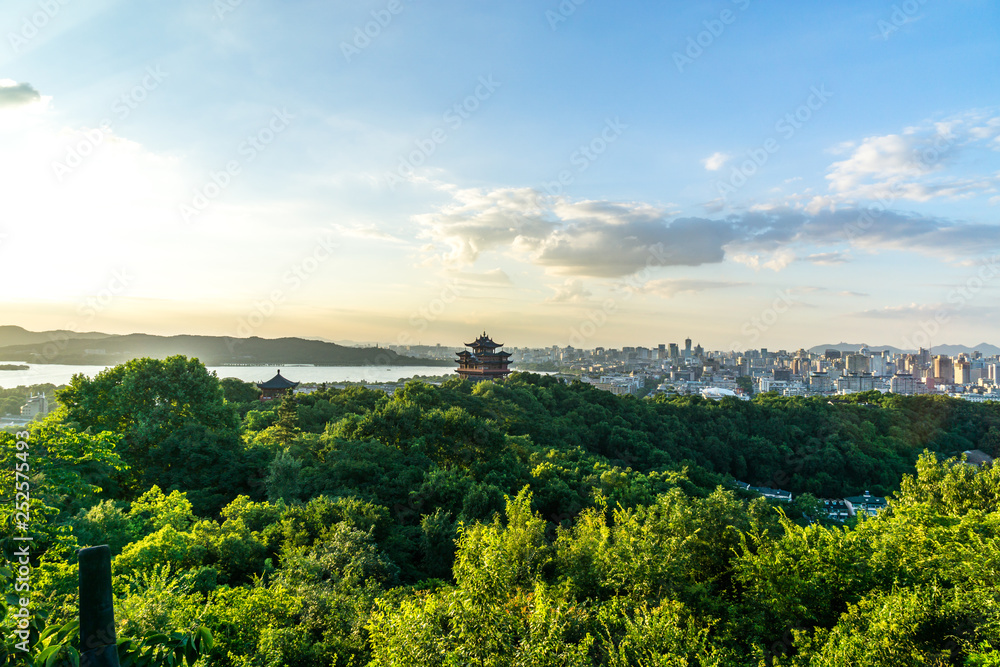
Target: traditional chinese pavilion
(485, 362)
(275, 387)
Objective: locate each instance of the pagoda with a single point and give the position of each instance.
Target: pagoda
(275, 387)
(485, 362)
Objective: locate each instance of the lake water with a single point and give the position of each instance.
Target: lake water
(60, 374)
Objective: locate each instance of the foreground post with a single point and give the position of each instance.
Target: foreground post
(97, 610)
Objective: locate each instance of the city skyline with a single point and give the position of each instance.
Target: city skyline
(748, 175)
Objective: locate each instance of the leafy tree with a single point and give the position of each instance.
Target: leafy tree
(153, 510)
(283, 477)
(167, 546)
(105, 523)
(237, 391)
(146, 401)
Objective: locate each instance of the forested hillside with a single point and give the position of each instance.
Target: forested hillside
(524, 523)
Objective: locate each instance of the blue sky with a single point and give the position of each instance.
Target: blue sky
(590, 174)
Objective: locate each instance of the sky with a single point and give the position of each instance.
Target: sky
(582, 172)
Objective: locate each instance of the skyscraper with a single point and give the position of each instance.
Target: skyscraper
(944, 369)
(963, 372)
(857, 363)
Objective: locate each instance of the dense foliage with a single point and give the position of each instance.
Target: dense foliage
(524, 523)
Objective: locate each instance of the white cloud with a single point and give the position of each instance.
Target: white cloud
(777, 261)
(715, 161)
(612, 239)
(571, 291)
(920, 163)
(480, 220)
(584, 238)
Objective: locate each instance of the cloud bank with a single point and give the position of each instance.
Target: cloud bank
(614, 239)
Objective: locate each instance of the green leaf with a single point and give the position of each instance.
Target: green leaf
(46, 654)
(66, 631)
(191, 654)
(51, 659)
(207, 641)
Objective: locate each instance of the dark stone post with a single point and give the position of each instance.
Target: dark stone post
(97, 610)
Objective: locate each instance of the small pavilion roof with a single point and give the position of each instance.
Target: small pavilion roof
(278, 382)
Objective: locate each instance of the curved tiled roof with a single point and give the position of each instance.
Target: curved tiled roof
(278, 382)
(483, 341)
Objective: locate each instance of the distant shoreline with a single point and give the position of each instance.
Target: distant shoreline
(14, 367)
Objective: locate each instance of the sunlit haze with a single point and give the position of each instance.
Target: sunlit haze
(587, 172)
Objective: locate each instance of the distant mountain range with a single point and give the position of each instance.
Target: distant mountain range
(68, 347)
(986, 349)
(11, 335)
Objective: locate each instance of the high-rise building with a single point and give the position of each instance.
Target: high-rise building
(661, 351)
(674, 352)
(857, 363)
(855, 382)
(879, 364)
(944, 369)
(963, 372)
(820, 381)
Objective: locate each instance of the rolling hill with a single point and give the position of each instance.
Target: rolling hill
(60, 347)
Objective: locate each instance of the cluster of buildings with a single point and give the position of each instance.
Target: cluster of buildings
(836, 509)
(968, 375)
(691, 369)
